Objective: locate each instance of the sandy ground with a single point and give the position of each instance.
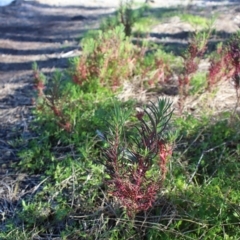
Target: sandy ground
(110, 3)
(154, 3)
(115, 3)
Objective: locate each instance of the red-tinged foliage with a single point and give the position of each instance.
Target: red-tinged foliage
(135, 195)
(51, 103)
(165, 152)
(40, 87)
(164, 72)
(190, 67)
(195, 50)
(115, 60)
(140, 115)
(232, 60)
(130, 185)
(67, 126)
(227, 66)
(106, 63)
(183, 87)
(39, 83)
(57, 112)
(191, 59)
(81, 72)
(216, 72)
(128, 169)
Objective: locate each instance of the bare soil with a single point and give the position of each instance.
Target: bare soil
(49, 35)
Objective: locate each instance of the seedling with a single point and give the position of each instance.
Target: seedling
(131, 155)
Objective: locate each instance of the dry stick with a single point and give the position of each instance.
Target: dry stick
(220, 158)
(198, 164)
(190, 147)
(162, 227)
(34, 189)
(200, 159)
(193, 142)
(73, 185)
(89, 215)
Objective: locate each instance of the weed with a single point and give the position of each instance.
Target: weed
(226, 65)
(191, 59)
(232, 59)
(198, 83)
(88, 184)
(143, 25)
(125, 16)
(128, 163)
(109, 60)
(195, 21)
(217, 69)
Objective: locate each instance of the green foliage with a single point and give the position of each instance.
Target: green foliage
(108, 59)
(202, 175)
(131, 157)
(78, 123)
(125, 16)
(144, 25)
(195, 21)
(198, 83)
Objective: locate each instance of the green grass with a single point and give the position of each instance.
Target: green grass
(144, 25)
(198, 83)
(195, 21)
(79, 119)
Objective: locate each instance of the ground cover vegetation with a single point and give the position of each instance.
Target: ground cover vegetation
(113, 169)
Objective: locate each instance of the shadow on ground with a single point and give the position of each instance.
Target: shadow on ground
(31, 32)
